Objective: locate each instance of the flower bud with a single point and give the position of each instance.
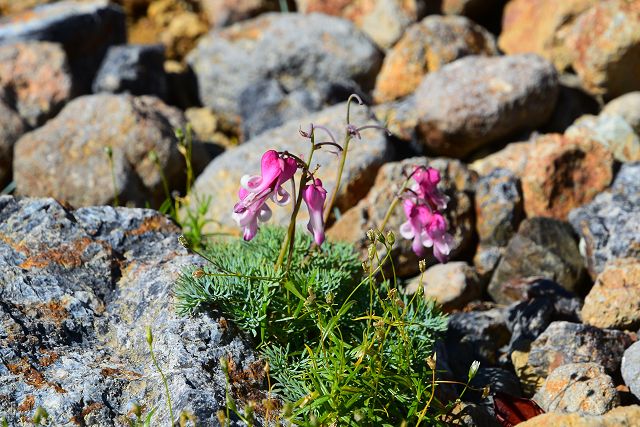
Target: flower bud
(149, 335)
(197, 274)
(371, 235)
(371, 252)
(422, 265)
(391, 238)
(184, 241)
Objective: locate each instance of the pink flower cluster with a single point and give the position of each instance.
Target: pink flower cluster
(426, 225)
(276, 169)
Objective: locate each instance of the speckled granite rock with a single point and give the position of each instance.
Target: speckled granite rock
(85, 30)
(565, 342)
(224, 12)
(475, 101)
(543, 247)
(37, 76)
(65, 158)
(457, 183)
(426, 47)
(221, 179)
(620, 416)
(287, 58)
(609, 226)
(630, 368)
(79, 287)
(582, 388)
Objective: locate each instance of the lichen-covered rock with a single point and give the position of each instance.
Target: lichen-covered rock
(543, 247)
(66, 158)
(221, 13)
(475, 101)
(37, 76)
(620, 416)
(606, 42)
(614, 300)
(315, 58)
(563, 173)
(457, 183)
(513, 158)
(541, 26)
(627, 106)
(84, 29)
(610, 130)
(498, 203)
(221, 179)
(609, 226)
(582, 388)
(451, 285)
(630, 368)
(384, 21)
(426, 47)
(79, 288)
(11, 128)
(134, 69)
(565, 342)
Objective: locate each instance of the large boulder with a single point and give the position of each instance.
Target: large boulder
(286, 64)
(426, 47)
(457, 184)
(37, 77)
(474, 102)
(79, 288)
(84, 29)
(66, 158)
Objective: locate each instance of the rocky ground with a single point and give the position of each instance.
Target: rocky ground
(529, 108)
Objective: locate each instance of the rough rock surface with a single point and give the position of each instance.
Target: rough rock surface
(79, 288)
(498, 203)
(582, 388)
(11, 127)
(84, 29)
(614, 300)
(457, 184)
(384, 21)
(610, 130)
(627, 106)
(563, 173)
(541, 26)
(609, 226)
(513, 157)
(475, 101)
(565, 342)
(221, 13)
(36, 78)
(630, 368)
(300, 63)
(221, 179)
(66, 158)
(135, 69)
(617, 417)
(606, 43)
(426, 47)
(452, 285)
(542, 247)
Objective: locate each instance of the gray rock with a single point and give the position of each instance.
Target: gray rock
(11, 128)
(627, 106)
(457, 183)
(314, 57)
(221, 13)
(221, 179)
(134, 69)
(84, 29)
(631, 368)
(499, 210)
(582, 388)
(565, 342)
(610, 130)
(609, 226)
(543, 247)
(65, 158)
(79, 288)
(474, 102)
(35, 78)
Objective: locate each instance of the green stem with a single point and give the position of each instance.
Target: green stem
(164, 381)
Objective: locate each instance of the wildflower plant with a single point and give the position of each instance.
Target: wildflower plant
(344, 346)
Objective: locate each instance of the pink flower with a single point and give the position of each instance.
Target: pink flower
(256, 190)
(314, 196)
(426, 187)
(437, 232)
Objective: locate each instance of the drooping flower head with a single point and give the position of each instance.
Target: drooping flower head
(256, 190)
(314, 196)
(426, 187)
